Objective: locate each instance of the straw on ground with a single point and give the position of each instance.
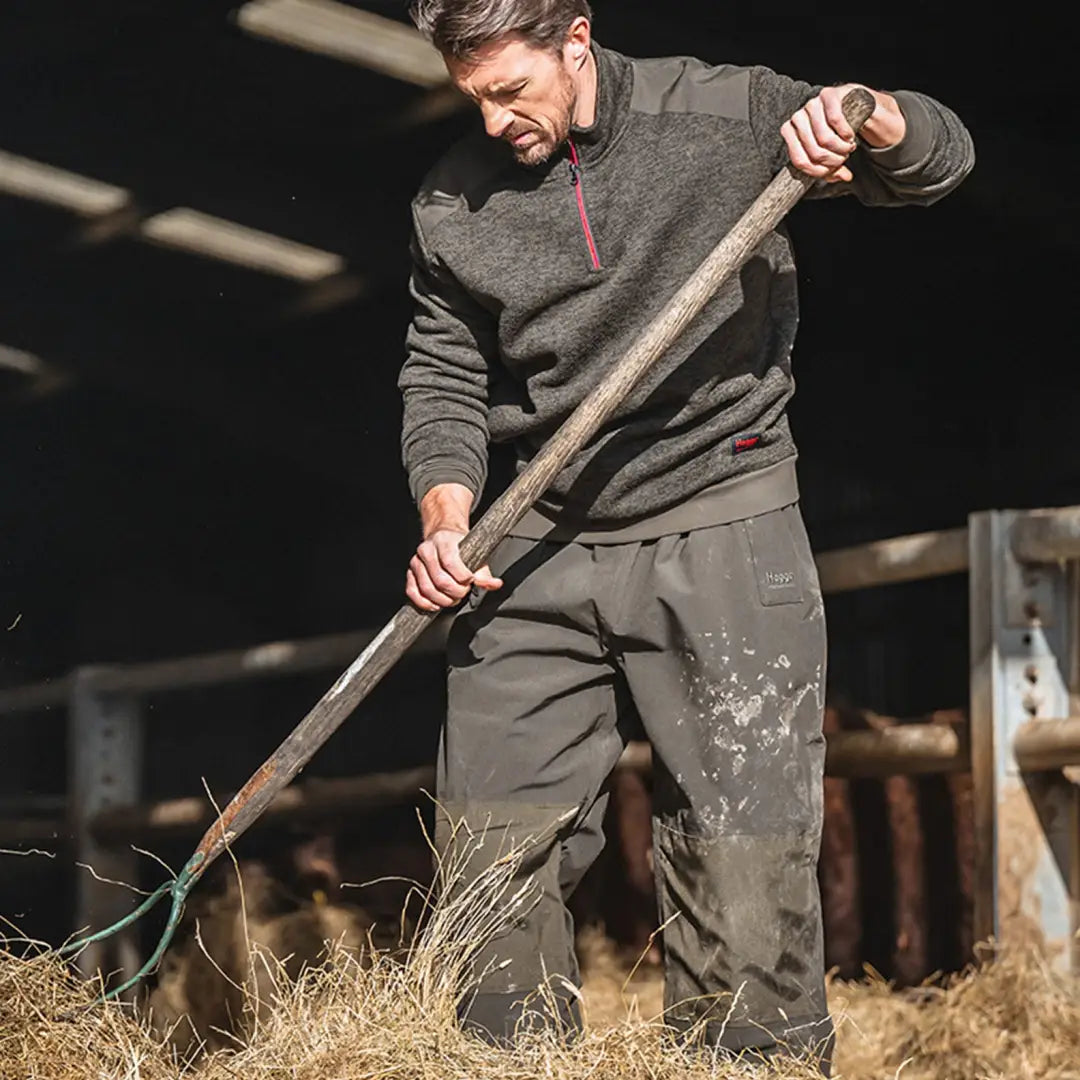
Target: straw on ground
(360, 1019)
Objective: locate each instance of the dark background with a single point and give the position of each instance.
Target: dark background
(220, 465)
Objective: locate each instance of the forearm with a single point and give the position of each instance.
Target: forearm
(446, 506)
(886, 125)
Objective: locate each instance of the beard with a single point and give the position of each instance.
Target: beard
(551, 136)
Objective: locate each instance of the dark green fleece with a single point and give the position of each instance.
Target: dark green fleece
(514, 324)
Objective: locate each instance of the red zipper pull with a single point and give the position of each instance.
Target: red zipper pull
(575, 180)
(575, 164)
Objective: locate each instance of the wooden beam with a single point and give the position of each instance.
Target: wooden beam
(1046, 536)
(215, 238)
(47, 184)
(20, 362)
(310, 799)
(905, 749)
(301, 802)
(888, 562)
(1042, 745)
(346, 33)
(212, 669)
(41, 378)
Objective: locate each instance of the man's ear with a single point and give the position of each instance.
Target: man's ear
(578, 42)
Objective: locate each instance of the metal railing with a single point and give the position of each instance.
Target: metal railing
(1024, 587)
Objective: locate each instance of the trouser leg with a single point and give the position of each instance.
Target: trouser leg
(530, 738)
(724, 650)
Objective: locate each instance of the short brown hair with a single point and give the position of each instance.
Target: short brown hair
(459, 27)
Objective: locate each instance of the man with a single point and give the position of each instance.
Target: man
(666, 575)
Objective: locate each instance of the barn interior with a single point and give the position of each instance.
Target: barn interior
(205, 212)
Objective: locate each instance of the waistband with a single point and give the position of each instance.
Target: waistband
(741, 497)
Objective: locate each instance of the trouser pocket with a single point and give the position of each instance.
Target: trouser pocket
(775, 552)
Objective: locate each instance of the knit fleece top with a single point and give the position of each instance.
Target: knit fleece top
(531, 282)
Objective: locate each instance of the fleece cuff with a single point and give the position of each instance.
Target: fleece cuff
(914, 148)
(426, 477)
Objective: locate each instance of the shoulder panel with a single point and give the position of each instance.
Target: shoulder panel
(682, 84)
(460, 180)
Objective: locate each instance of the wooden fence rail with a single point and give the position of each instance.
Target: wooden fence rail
(907, 749)
(884, 562)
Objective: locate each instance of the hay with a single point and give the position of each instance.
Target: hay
(1010, 1018)
(361, 1018)
(387, 1018)
(51, 1030)
(616, 986)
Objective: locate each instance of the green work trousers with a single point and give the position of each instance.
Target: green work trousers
(714, 642)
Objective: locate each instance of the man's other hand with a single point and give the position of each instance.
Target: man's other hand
(819, 139)
(437, 577)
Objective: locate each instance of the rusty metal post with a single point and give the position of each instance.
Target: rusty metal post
(105, 741)
(1022, 643)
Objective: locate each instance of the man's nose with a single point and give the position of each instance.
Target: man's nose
(497, 119)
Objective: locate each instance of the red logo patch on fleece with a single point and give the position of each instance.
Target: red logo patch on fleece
(741, 443)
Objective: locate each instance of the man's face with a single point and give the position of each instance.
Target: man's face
(526, 95)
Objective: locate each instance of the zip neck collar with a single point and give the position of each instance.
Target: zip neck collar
(614, 84)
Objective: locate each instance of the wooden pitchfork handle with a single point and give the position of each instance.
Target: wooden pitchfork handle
(786, 189)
